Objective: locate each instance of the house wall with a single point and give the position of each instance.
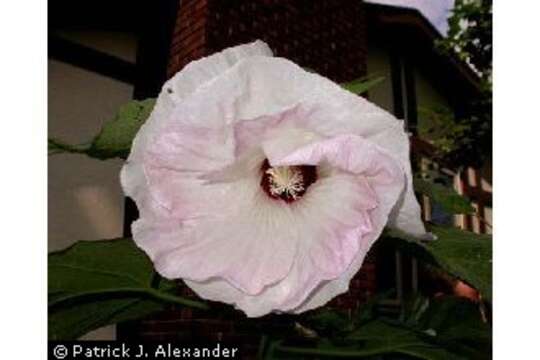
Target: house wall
(429, 96)
(395, 270)
(85, 201)
(327, 36)
(122, 45)
(378, 64)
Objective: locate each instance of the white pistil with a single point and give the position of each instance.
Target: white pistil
(286, 180)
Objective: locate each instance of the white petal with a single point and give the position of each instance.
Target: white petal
(189, 79)
(330, 289)
(330, 204)
(174, 91)
(406, 214)
(201, 71)
(205, 237)
(254, 88)
(337, 220)
(245, 237)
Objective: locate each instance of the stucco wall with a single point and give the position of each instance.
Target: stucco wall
(85, 201)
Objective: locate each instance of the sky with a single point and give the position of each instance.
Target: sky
(436, 11)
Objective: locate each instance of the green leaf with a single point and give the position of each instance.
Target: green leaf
(375, 338)
(458, 323)
(462, 254)
(116, 136)
(445, 196)
(102, 264)
(328, 322)
(362, 85)
(96, 283)
(443, 328)
(72, 321)
(454, 322)
(382, 336)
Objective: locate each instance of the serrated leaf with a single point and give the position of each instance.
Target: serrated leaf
(363, 85)
(97, 283)
(462, 254)
(445, 196)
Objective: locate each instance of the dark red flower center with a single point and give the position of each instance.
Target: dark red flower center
(288, 183)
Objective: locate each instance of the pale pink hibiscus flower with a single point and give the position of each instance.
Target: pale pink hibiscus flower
(264, 186)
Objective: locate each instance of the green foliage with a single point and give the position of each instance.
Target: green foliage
(459, 141)
(462, 254)
(443, 130)
(362, 85)
(115, 138)
(430, 329)
(96, 283)
(464, 328)
(470, 35)
(445, 196)
(470, 40)
(330, 323)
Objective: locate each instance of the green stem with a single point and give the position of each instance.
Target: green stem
(177, 299)
(144, 291)
(56, 147)
(262, 346)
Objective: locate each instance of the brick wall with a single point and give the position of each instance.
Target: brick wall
(328, 36)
